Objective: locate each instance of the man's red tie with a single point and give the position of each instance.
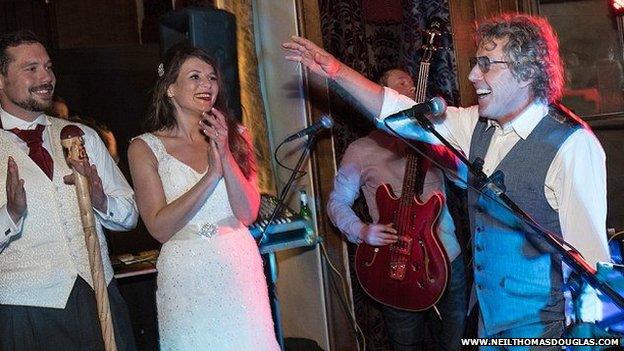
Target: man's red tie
(34, 140)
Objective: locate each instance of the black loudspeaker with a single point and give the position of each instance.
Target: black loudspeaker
(214, 31)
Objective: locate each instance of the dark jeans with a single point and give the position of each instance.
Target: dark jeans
(75, 327)
(406, 330)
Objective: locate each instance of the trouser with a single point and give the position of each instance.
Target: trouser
(406, 330)
(75, 327)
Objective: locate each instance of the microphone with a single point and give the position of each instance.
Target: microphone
(434, 107)
(324, 123)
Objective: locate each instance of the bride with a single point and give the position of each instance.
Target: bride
(195, 182)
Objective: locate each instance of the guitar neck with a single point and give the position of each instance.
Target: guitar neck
(421, 86)
(410, 179)
(411, 167)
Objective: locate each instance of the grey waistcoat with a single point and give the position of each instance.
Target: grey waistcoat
(516, 283)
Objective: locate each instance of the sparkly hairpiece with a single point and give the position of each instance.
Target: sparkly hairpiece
(161, 69)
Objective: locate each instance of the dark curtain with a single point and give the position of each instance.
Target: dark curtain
(372, 48)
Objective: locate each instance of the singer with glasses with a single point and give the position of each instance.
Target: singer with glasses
(368, 163)
(47, 300)
(484, 63)
(194, 174)
(553, 164)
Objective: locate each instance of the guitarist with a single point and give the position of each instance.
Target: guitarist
(368, 163)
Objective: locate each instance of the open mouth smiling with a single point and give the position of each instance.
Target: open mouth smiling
(481, 92)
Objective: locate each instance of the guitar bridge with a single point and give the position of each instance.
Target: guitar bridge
(397, 270)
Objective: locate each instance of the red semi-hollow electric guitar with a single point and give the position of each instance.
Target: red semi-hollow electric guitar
(412, 273)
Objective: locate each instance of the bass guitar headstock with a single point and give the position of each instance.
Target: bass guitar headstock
(434, 37)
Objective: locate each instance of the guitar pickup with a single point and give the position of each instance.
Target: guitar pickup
(403, 245)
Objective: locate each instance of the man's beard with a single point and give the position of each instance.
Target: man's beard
(31, 104)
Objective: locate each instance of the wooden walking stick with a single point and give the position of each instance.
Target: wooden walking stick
(73, 145)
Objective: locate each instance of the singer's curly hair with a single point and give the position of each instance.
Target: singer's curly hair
(162, 112)
(532, 49)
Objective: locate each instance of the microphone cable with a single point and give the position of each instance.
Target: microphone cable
(349, 308)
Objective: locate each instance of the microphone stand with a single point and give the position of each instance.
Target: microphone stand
(494, 183)
(272, 261)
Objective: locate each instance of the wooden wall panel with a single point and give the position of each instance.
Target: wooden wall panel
(488, 8)
(462, 24)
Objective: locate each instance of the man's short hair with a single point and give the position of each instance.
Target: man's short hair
(14, 39)
(383, 78)
(532, 49)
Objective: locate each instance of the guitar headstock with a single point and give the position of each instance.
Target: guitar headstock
(432, 37)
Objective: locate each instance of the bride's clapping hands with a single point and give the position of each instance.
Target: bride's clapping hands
(215, 167)
(213, 125)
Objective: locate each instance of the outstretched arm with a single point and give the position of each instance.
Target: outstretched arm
(379, 102)
(366, 93)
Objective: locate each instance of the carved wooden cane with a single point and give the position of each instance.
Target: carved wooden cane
(73, 145)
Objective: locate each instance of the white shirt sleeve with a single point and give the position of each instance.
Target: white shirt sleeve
(122, 213)
(578, 179)
(8, 228)
(456, 125)
(346, 189)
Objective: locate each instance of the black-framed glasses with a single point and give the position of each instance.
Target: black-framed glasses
(484, 63)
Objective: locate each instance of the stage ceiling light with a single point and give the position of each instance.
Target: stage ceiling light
(618, 6)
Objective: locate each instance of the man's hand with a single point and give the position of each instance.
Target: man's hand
(16, 195)
(316, 59)
(96, 190)
(379, 234)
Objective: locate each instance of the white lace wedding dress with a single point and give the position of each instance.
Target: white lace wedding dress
(212, 293)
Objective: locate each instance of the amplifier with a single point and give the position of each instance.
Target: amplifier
(289, 230)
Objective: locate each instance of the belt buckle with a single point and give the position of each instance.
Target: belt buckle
(208, 230)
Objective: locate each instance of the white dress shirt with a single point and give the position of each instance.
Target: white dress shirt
(122, 214)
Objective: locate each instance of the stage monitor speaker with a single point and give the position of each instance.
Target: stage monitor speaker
(212, 30)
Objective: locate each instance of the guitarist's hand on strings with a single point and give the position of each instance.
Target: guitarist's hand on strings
(379, 234)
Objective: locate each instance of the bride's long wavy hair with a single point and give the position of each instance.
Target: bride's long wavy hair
(161, 115)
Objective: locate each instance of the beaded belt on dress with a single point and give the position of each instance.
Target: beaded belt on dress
(196, 231)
